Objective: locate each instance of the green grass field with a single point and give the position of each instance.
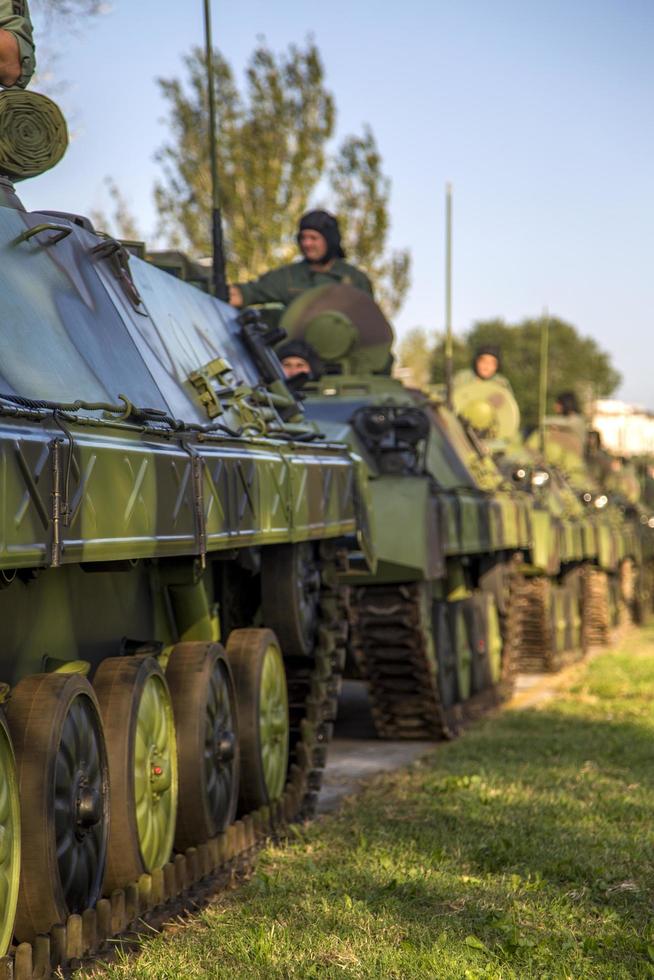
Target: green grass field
(524, 849)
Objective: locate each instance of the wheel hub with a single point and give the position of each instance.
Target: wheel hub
(88, 808)
(160, 774)
(225, 743)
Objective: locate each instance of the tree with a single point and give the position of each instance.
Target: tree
(361, 196)
(576, 362)
(271, 153)
(70, 8)
(272, 157)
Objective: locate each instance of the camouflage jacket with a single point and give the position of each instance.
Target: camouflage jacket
(15, 17)
(284, 284)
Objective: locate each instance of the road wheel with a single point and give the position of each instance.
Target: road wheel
(9, 838)
(61, 760)
(262, 699)
(290, 578)
(463, 652)
(494, 641)
(448, 685)
(202, 691)
(140, 731)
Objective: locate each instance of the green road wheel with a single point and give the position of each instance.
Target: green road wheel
(62, 767)
(9, 838)
(140, 731)
(559, 619)
(202, 692)
(493, 640)
(463, 654)
(262, 699)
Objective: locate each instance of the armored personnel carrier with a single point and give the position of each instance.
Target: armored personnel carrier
(170, 533)
(581, 573)
(431, 626)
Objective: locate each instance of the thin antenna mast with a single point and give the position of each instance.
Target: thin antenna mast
(449, 354)
(542, 388)
(219, 280)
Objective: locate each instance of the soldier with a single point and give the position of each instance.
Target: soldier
(16, 43)
(566, 404)
(300, 362)
(485, 397)
(319, 239)
(485, 365)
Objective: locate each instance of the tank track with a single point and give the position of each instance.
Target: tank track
(190, 878)
(596, 630)
(530, 628)
(401, 671)
(390, 649)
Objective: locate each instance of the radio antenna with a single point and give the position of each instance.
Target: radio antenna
(219, 279)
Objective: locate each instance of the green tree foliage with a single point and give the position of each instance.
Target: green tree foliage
(576, 363)
(273, 159)
(271, 150)
(361, 194)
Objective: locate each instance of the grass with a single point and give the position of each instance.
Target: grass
(522, 850)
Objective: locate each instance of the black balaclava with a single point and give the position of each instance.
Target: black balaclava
(568, 402)
(491, 349)
(300, 348)
(327, 225)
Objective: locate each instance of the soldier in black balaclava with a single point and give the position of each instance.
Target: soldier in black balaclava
(566, 404)
(487, 361)
(300, 362)
(322, 263)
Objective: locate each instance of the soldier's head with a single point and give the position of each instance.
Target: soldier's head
(486, 361)
(300, 358)
(319, 237)
(566, 404)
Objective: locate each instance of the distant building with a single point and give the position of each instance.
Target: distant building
(627, 430)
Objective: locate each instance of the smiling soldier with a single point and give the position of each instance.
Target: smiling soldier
(322, 263)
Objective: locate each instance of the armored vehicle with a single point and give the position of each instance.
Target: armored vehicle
(581, 573)
(170, 535)
(431, 630)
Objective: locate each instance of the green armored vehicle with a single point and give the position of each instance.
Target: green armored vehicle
(170, 535)
(430, 626)
(568, 595)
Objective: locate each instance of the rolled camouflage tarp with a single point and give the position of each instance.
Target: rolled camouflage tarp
(33, 134)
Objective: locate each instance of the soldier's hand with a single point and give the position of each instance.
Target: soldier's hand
(235, 297)
(9, 59)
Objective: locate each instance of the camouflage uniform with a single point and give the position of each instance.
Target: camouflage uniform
(15, 18)
(283, 285)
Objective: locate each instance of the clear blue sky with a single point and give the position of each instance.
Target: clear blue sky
(541, 114)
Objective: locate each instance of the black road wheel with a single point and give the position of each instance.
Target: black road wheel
(290, 579)
(261, 695)
(202, 691)
(445, 656)
(140, 730)
(63, 776)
